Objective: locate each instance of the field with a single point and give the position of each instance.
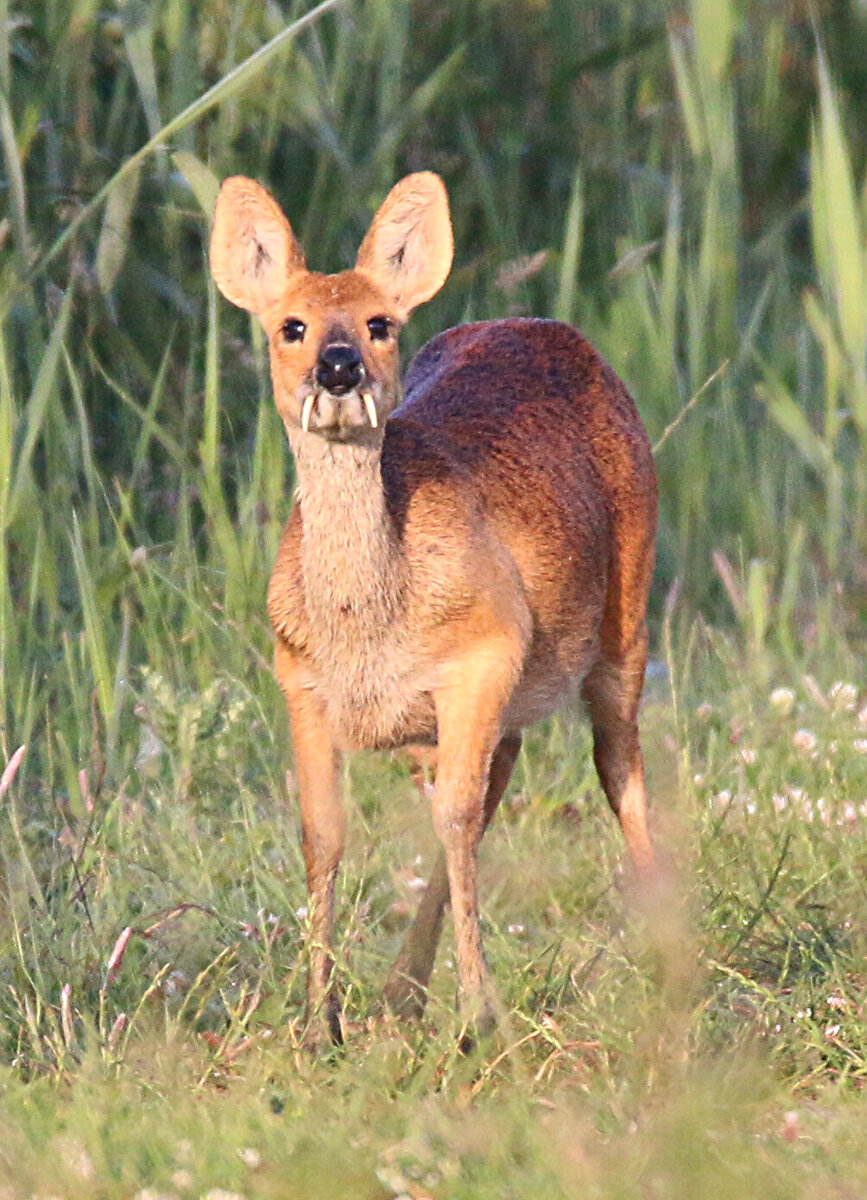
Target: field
(687, 184)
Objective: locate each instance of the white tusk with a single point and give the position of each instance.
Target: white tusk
(370, 409)
(306, 410)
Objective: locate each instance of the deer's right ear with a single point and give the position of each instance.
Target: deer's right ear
(253, 249)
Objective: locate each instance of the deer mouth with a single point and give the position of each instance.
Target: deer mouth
(341, 416)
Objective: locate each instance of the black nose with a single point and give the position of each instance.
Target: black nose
(339, 368)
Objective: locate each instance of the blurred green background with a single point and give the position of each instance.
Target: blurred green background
(687, 183)
(684, 182)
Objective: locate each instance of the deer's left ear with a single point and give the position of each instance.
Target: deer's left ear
(408, 249)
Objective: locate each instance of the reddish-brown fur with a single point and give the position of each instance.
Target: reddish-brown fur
(453, 573)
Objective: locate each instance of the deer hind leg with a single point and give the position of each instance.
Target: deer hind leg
(406, 988)
(612, 691)
(323, 828)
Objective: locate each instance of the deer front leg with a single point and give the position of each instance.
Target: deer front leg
(470, 705)
(323, 828)
(405, 991)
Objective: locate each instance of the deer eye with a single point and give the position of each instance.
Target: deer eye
(293, 330)
(378, 328)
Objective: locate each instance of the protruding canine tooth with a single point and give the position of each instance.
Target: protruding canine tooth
(306, 410)
(370, 409)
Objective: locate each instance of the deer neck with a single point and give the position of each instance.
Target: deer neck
(353, 565)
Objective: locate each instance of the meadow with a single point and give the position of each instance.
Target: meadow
(684, 182)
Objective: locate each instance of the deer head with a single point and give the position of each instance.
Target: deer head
(333, 338)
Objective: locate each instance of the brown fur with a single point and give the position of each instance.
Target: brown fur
(462, 569)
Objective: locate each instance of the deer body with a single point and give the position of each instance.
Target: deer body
(457, 564)
(386, 551)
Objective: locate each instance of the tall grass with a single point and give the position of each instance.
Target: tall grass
(687, 185)
(624, 150)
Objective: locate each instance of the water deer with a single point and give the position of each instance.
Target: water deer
(467, 552)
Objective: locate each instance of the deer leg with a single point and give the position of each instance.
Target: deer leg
(406, 988)
(470, 703)
(612, 691)
(323, 826)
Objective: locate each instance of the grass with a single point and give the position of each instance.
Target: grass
(713, 1047)
(643, 175)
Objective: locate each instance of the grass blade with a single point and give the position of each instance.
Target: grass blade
(564, 305)
(114, 238)
(37, 406)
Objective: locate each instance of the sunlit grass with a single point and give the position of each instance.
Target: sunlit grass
(163, 975)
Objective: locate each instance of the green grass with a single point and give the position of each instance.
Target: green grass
(715, 1046)
(643, 174)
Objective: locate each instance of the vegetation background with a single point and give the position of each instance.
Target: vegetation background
(686, 182)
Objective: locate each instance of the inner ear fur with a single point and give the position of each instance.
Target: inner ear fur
(408, 249)
(253, 249)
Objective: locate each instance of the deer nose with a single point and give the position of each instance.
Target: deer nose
(339, 368)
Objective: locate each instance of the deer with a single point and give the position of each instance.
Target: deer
(468, 551)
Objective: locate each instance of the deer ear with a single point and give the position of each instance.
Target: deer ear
(253, 249)
(408, 249)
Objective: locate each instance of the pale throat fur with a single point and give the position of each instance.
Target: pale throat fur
(343, 603)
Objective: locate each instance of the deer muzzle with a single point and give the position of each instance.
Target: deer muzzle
(339, 416)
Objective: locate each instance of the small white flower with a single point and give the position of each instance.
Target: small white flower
(782, 700)
(301, 913)
(250, 1157)
(831, 1032)
(860, 745)
(850, 813)
(836, 1001)
(747, 755)
(843, 696)
(780, 802)
(805, 740)
(518, 930)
